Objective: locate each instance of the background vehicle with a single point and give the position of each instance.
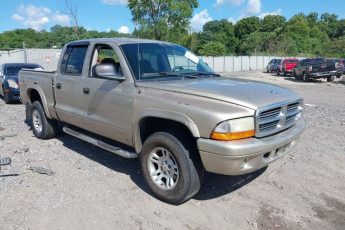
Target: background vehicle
(314, 68)
(158, 101)
(9, 80)
(339, 66)
(273, 65)
(287, 66)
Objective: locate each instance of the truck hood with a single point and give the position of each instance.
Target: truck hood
(250, 94)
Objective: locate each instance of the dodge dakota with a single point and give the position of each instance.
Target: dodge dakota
(159, 102)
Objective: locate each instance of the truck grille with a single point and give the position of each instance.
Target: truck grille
(275, 118)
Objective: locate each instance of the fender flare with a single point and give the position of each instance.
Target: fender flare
(43, 98)
(164, 114)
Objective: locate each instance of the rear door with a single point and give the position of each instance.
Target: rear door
(68, 84)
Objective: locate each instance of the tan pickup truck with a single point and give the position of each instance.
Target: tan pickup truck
(158, 101)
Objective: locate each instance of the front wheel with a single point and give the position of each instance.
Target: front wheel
(42, 127)
(168, 169)
(7, 97)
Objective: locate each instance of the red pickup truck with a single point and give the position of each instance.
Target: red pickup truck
(287, 66)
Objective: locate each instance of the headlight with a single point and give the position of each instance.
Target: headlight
(12, 84)
(234, 129)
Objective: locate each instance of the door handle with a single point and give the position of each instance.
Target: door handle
(58, 85)
(86, 90)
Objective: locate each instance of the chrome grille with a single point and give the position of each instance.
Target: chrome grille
(277, 117)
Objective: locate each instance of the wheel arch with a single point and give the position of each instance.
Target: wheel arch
(35, 93)
(163, 121)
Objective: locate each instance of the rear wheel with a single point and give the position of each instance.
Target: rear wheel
(305, 77)
(42, 127)
(168, 168)
(330, 78)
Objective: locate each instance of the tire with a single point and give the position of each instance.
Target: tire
(161, 153)
(278, 73)
(330, 78)
(305, 77)
(284, 73)
(7, 98)
(42, 127)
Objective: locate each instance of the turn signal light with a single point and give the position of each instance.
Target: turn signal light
(232, 136)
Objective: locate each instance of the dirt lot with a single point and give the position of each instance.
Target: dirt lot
(93, 189)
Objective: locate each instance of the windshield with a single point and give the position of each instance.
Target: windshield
(13, 70)
(151, 61)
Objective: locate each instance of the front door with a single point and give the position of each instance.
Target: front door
(108, 103)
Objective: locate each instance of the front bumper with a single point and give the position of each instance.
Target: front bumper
(247, 155)
(14, 94)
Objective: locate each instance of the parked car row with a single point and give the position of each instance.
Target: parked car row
(9, 89)
(308, 68)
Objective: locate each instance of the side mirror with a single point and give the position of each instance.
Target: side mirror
(107, 71)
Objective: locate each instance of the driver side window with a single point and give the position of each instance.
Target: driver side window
(105, 54)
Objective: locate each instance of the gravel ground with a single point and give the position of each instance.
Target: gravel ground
(94, 189)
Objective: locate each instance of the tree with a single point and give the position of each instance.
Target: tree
(162, 19)
(272, 22)
(246, 26)
(73, 11)
(313, 19)
(218, 31)
(213, 49)
(335, 48)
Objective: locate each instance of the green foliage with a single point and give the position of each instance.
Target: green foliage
(218, 31)
(169, 20)
(246, 26)
(162, 19)
(213, 49)
(56, 38)
(272, 22)
(335, 48)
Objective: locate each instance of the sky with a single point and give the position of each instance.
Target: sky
(106, 15)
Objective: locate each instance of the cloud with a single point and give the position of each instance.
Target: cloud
(253, 7)
(115, 2)
(62, 19)
(123, 30)
(17, 17)
(276, 12)
(38, 17)
(232, 2)
(199, 20)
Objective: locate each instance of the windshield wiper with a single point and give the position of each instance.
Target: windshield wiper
(196, 74)
(160, 74)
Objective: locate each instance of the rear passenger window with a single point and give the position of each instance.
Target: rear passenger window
(73, 60)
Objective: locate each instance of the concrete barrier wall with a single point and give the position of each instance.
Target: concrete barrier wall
(48, 58)
(228, 64)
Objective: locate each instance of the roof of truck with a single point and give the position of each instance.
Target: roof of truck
(118, 41)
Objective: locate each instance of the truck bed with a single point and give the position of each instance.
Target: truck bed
(42, 81)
